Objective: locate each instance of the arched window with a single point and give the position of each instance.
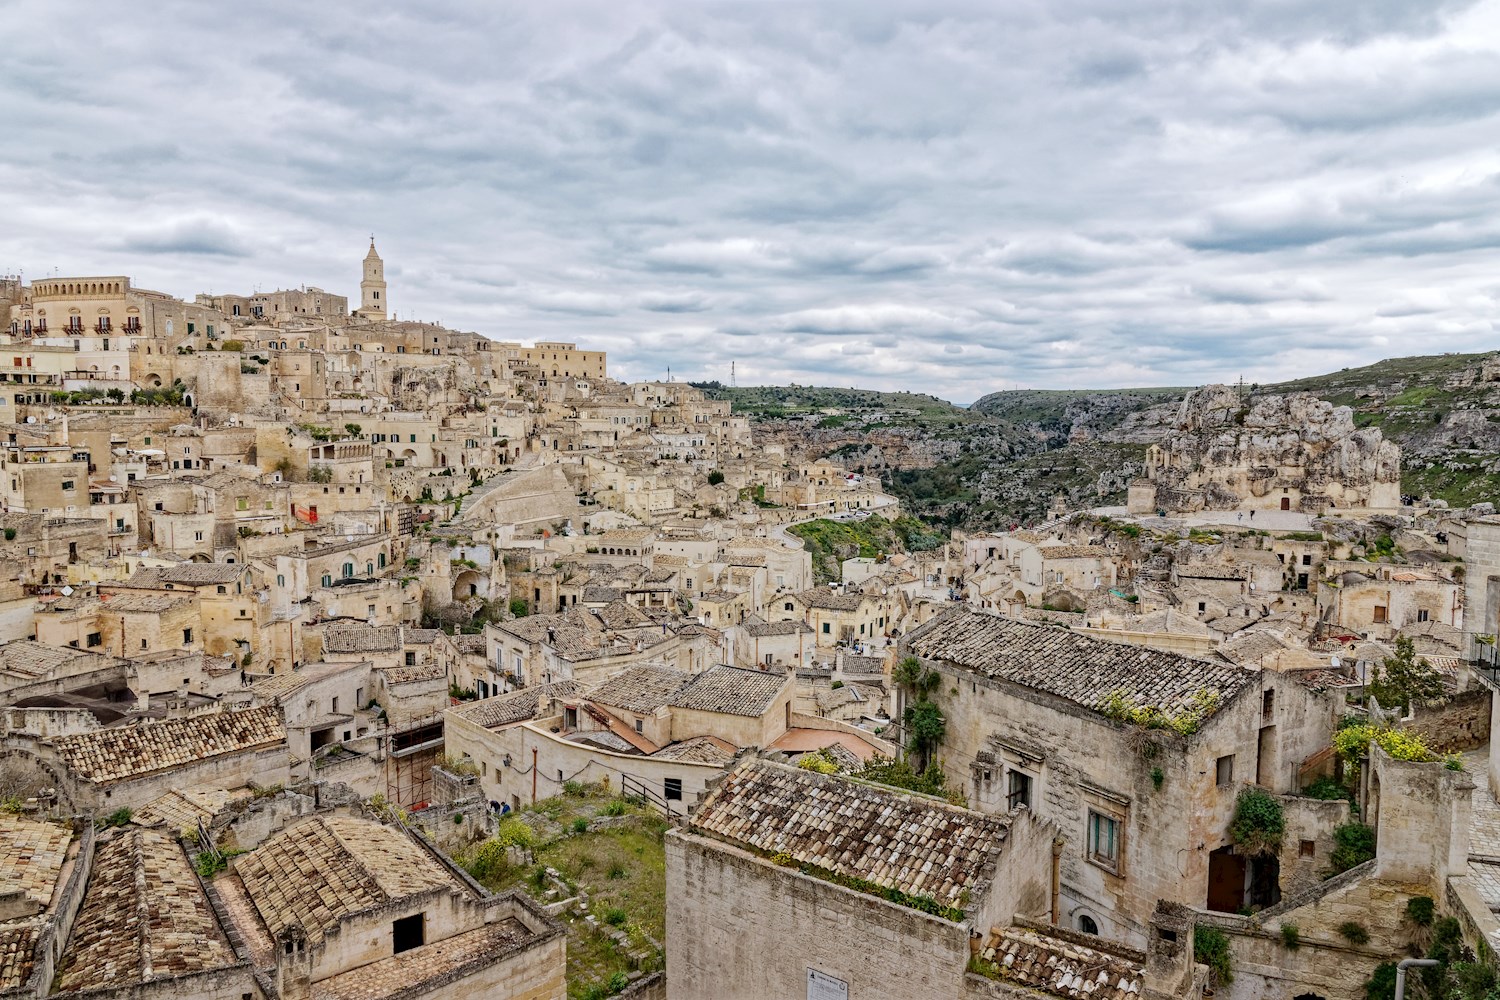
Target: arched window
(1087, 924)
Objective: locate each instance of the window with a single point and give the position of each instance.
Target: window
(1307, 560)
(1018, 790)
(1267, 703)
(411, 659)
(1224, 771)
(1306, 849)
(221, 589)
(1202, 607)
(1380, 614)
(407, 933)
(1087, 924)
(672, 789)
(95, 639)
(333, 706)
(1104, 840)
(187, 636)
(826, 628)
(638, 726)
(67, 484)
(1422, 615)
(197, 536)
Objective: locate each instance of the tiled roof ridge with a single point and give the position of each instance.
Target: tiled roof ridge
(357, 862)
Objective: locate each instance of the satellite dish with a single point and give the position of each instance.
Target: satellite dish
(67, 591)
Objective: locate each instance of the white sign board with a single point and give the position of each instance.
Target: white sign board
(821, 986)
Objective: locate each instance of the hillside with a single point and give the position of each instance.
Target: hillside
(1003, 460)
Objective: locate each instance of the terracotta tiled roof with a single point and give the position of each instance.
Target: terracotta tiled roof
(698, 750)
(32, 856)
(642, 689)
(731, 691)
(919, 845)
(414, 673)
(821, 597)
(1075, 667)
(362, 639)
(517, 706)
(438, 963)
(790, 627)
(17, 953)
(114, 754)
(143, 918)
(322, 869)
(181, 809)
(1060, 967)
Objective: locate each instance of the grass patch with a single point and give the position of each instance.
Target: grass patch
(623, 869)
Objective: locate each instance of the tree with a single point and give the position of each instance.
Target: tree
(916, 680)
(925, 726)
(1405, 678)
(355, 430)
(715, 478)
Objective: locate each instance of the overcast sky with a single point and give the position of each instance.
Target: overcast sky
(945, 197)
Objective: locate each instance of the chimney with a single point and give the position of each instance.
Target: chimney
(1169, 953)
(293, 964)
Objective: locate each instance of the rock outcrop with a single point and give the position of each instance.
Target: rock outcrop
(1287, 452)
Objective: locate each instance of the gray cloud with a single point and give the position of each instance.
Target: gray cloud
(949, 197)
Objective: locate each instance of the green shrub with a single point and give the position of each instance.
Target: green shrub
(615, 917)
(576, 789)
(1382, 982)
(580, 825)
(615, 807)
(1211, 947)
(512, 832)
(1157, 777)
(519, 607)
(617, 870)
(1419, 909)
(1258, 824)
(1291, 937)
(10, 534)
(488, 860)
(1328, 789)
(1353, 742)
(119, 817)
(1354, 932)
(618, 982)
(1354, 844)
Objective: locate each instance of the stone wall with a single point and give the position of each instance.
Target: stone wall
(1460, 723)
(741, 928)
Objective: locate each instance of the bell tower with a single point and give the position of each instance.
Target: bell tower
(372, 300)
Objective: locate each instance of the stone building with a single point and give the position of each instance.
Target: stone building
(336, 907)
(1039, 716)
(786, 882)
(126, 767)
